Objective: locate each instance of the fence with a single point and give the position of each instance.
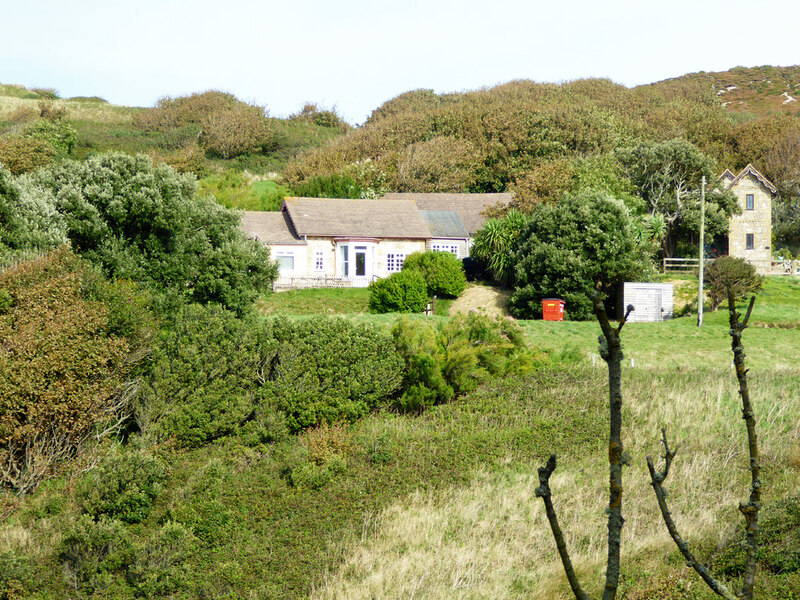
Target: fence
(681, 265)
(304, 283)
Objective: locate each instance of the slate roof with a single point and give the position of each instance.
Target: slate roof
(337, 217)
(269, 227)
(468, 206)
(444, 224)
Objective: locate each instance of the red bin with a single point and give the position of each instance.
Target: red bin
(553, 309)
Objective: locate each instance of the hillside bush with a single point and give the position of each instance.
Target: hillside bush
(158, 567)
(727, 273)
(403, 292)
(241, 129)
(443, 272)
(587, 240)
(23, 155)
(326, 370)
(145, 222)
(453, 357)
(62, 369)
(123, 486)
(59, 134)
(329, 186)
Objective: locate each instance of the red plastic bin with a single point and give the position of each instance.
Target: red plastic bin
(552, 309)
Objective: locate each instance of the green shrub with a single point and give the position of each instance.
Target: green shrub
(452, 357)
(241, 129)
(16, 575)
(158, 568)
(123, 486)
(92, 552)
(403, 292)
(329, 186)
(58, 134)
(734, 274)
(443, 272)
(329, 369)
(23, 155)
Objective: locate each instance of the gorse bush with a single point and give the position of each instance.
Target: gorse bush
(443, 272)
(123, 486)
(726, 274)
(61, 368)
(403, 292)
(453, 357)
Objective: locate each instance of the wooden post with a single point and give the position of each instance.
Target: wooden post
(702, 253)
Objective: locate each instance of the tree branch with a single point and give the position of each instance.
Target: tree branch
(656, 480)
(543, 492)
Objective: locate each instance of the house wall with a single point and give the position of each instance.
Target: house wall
(461, 246)
(298, 252)
(397, 248)
(757, 222)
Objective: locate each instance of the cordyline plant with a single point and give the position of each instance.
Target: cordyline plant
(611, 352)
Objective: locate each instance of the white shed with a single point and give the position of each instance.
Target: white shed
(651, 301)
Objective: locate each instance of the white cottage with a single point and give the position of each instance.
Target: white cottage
(332, 242)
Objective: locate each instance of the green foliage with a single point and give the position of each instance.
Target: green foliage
(158, 567)
(60, 368)
(313, 113)
(496, 243)
(123, 486)
(326, 370)
(92, 552)
(585, 241)
(201, 383)
(329, 186)
(449, 359)
(443, 272)
(403, 292)
(145, 222)
(728, 274)
(59, 134)
(234, 189)
(23, 155)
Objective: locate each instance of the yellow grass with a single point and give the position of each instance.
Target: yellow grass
(491, 539)
(12, 108)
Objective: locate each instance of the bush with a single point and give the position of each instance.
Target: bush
(241, 129)
(443, 272)
(326, 370)
(158, 566)
(62, 368)
(58, 134)
(123, 486)
(93, 552)
(403, 292)
(452, 358)
(329, 186)
(23, 155)
(727, 273)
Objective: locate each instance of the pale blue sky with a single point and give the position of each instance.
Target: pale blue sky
(356, 54)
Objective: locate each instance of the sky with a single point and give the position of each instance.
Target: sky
(354, 55)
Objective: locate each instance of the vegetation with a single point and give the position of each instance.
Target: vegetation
(403, 292)
(443, 272)
(731, 275)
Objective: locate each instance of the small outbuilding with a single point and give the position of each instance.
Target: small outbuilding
(651, 301)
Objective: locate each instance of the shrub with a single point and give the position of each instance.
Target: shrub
(92, 552)
(329, 186)
(403, 292)
(734, 274)
(58, 134)
(326, 370)
(158, 567)
(62, 368)
(241, 129)
(23, 155)
(443, 272)
(123, 486)
(452, 358)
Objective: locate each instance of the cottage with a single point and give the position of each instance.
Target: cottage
(750, 233)
(330, 242)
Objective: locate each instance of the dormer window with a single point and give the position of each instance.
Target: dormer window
(749, 202)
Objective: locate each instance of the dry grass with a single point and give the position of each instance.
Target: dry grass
(16, 109)
(491, 539)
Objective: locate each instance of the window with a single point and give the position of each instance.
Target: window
(319, 261)
(285, 261)
(394, 262)
(445, 248)
(749, 241)
(750, 202)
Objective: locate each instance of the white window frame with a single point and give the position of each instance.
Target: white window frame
(284, 254)
(319, 260)
(394, 262)
(451, 248)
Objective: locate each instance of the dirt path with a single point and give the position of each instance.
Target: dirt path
(475, 297)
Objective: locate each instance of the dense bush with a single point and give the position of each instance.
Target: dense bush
(443, 272)
(452, 357)
(328, 370)
(62, 366)
(726, 274)
(146, 223)
(329, 186)
(242, 129)
(158, 568)
(59, 134)
(586, 241)
(123, 486)
(495, 245)
(23, 155)
(403, 292)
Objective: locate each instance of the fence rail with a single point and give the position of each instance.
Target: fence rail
(681, 265)
(303, 283)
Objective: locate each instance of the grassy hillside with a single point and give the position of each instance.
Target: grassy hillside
(441, 505)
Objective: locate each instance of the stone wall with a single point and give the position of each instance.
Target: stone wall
(756, 222)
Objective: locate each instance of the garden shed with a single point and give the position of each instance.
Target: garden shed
(651, 301)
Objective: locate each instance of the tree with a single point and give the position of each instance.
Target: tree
(443, 272)
(667, 176)
(496, 243)
(586, 241)
(729, 275)
(146, 223)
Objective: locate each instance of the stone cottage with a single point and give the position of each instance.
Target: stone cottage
(750, 233)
